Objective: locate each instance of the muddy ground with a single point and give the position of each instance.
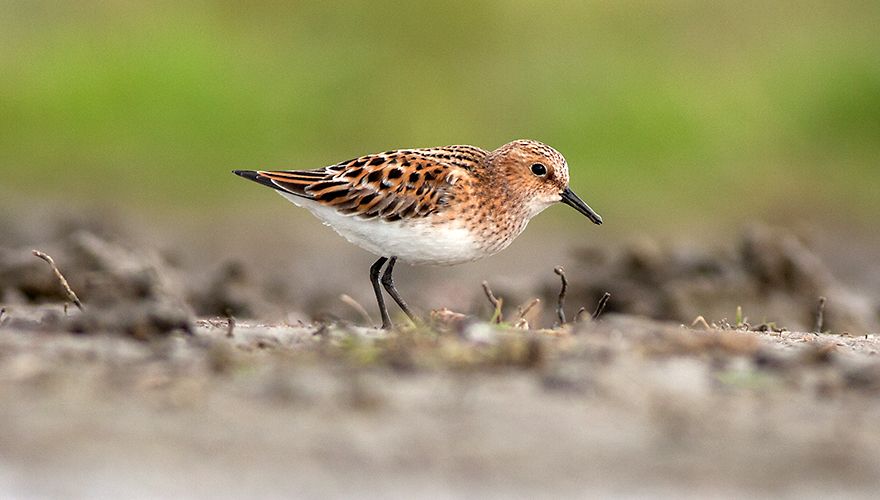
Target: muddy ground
(188, 375)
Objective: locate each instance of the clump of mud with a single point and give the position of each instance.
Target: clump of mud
(124, 290)
(771, 275)
(774, 277)
(126, 287)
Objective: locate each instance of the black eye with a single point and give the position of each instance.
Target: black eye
(539, 169)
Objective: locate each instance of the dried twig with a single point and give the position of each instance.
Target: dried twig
(560, 302)
(496, 303)
(580, 315)
(820, 315)
(600, 307)
(230, 324)
(768, 327)
(523, 310)
(322, 331)
(348, 300)
(72, 296)
(701, 321)
(522, 323)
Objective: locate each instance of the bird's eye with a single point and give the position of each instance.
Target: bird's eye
(539, 169)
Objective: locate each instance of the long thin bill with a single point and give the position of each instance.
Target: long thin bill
(575, 202)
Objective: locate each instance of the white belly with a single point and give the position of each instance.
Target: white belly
(413, 242)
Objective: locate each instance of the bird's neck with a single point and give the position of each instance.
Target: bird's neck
(505, 216)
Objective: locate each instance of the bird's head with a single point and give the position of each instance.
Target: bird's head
(540, 174)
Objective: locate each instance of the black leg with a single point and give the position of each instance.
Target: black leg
(388, 283)
(374, 279)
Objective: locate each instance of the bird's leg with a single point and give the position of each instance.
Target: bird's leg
(374, 279)
(388, 283)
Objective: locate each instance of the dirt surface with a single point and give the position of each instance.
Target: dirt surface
(214, 378)
(619, 406)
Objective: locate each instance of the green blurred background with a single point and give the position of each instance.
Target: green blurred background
(670, 113)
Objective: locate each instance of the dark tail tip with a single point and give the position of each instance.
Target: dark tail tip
(247, 174)
(253, 175)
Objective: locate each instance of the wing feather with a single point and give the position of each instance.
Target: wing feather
(404, 184)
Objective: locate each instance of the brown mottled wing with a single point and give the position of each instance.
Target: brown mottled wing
(403, 184)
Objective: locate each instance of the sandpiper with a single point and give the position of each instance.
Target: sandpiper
(439, 206)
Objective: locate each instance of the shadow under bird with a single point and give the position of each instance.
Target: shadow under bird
(440, 206)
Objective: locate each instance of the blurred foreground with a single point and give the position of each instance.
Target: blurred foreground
(618, 407)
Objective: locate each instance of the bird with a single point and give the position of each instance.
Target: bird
(430, 206)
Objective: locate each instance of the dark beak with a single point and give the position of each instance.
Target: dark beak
(574, 201)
